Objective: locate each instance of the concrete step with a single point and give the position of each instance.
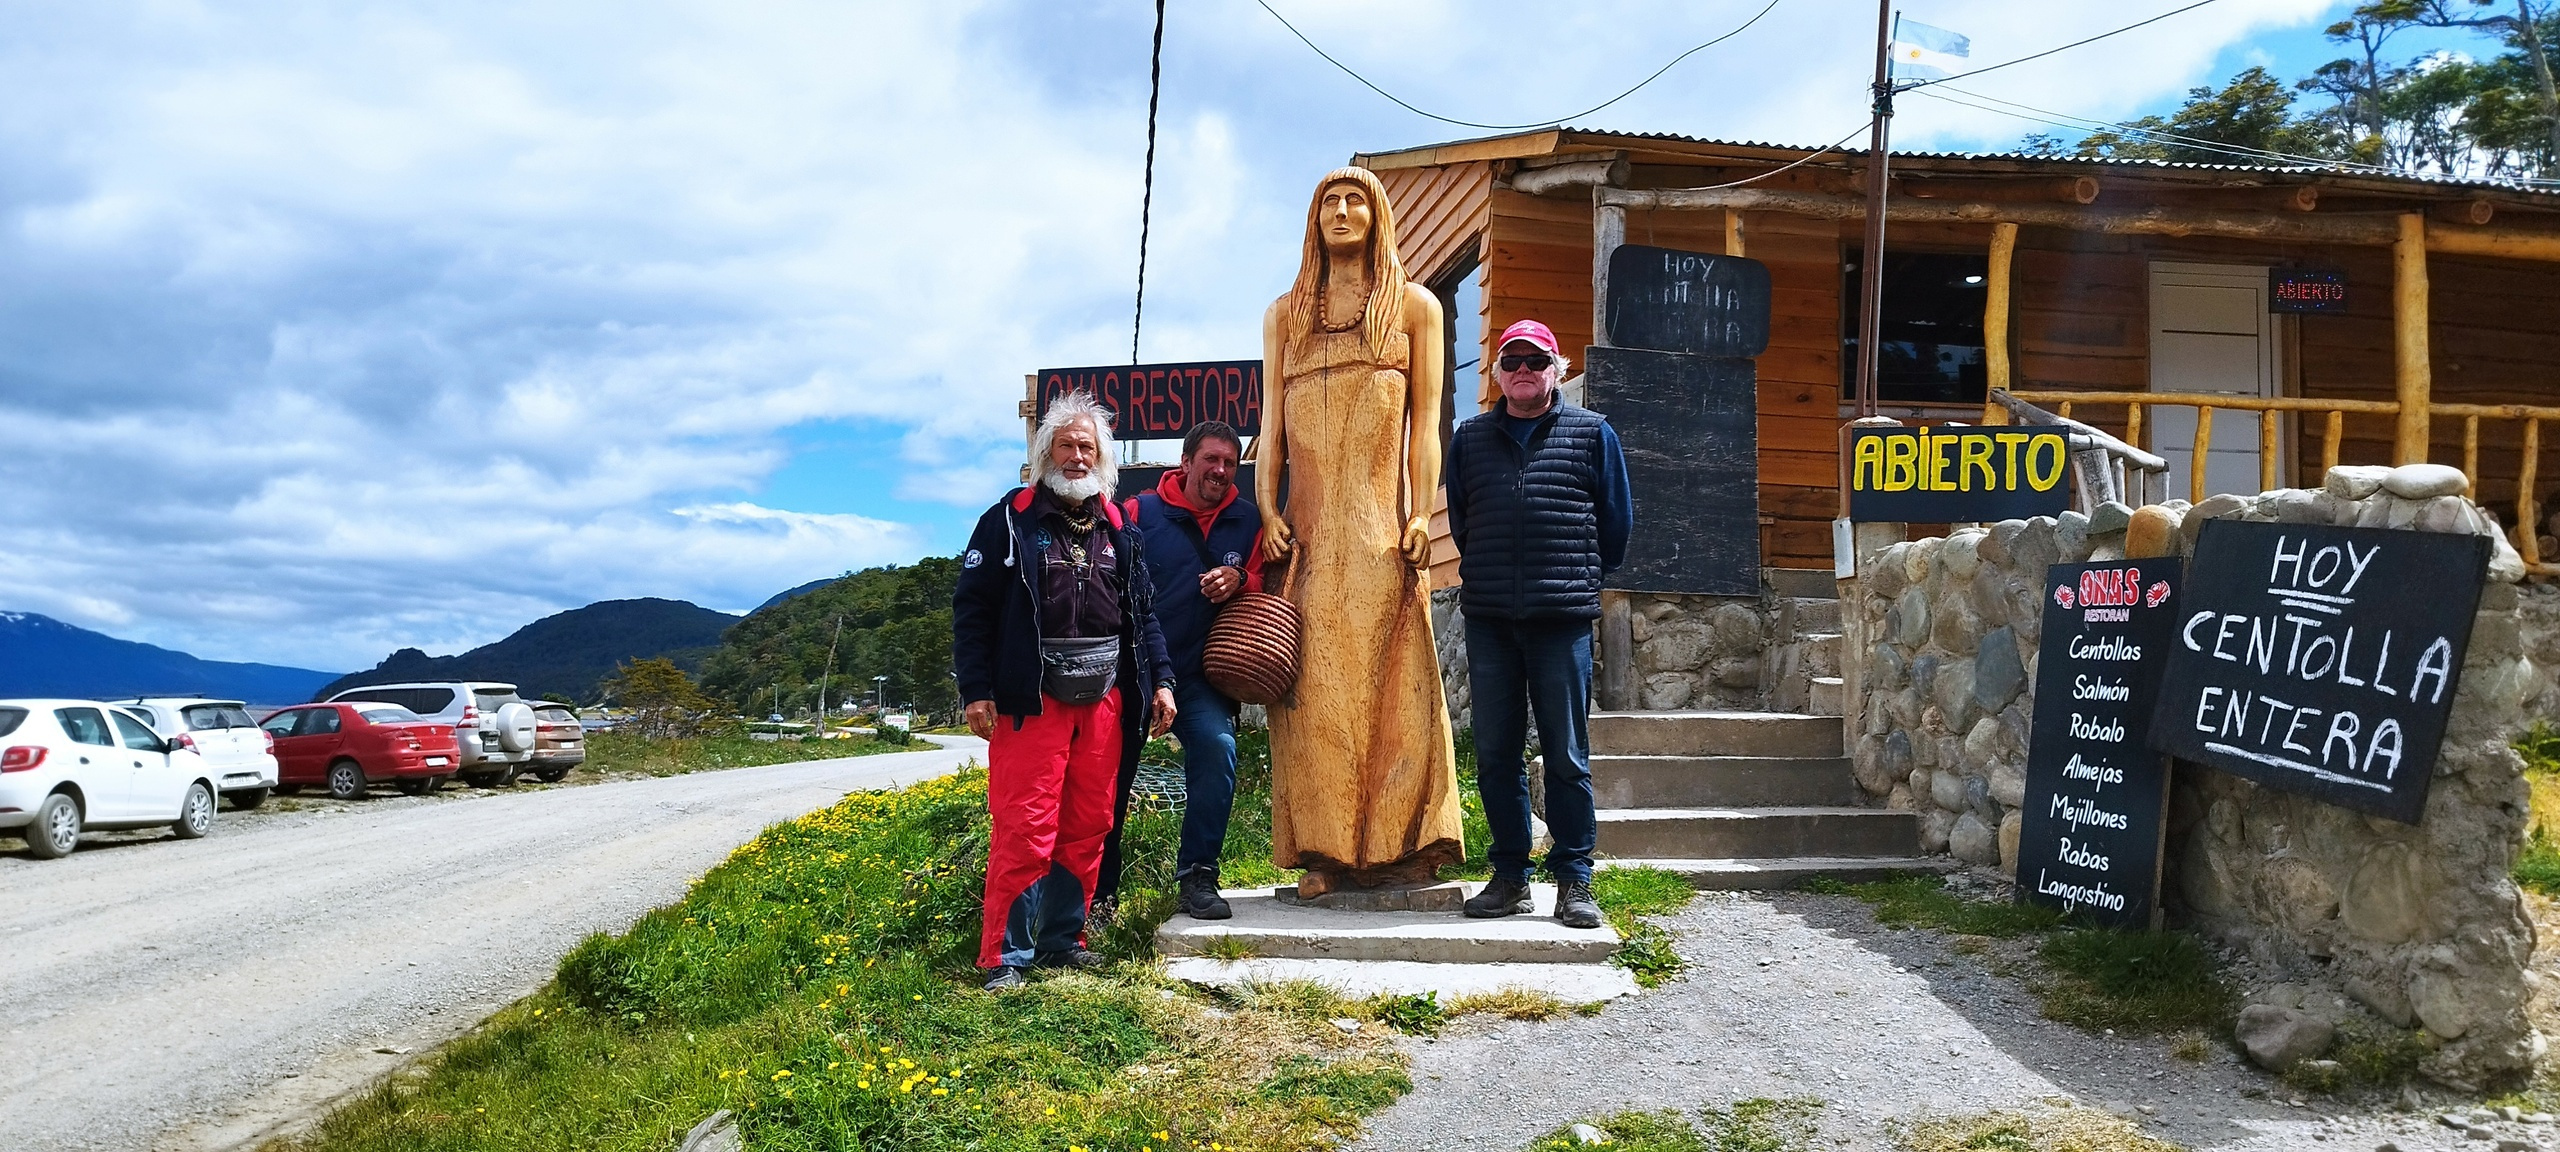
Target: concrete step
(1821, 652)
(1360, 979)
(1793, 872)
(1801, 583)
(1757, 833)
(1798, 616)
(1829, 697)
(1264, 928)
(1714, 734)
(1732, 781)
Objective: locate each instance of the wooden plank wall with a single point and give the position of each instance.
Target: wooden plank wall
(1439, 214)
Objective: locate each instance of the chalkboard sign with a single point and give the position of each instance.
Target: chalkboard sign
(2090, 830)
(1668, 300)
(1945, 475)
(1690, 428)
(2321, 660)
(2306, 290)
(1163, 401)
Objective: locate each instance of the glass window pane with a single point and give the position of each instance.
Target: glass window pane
(137, 735)
(85, 726)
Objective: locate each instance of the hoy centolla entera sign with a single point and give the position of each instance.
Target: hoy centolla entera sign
(1939, 475)
(2321, 660)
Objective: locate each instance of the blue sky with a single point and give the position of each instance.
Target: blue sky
(332, 328)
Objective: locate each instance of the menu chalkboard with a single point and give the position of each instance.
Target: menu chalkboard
(2090, 830)
(1668, 300)
(2321, 660)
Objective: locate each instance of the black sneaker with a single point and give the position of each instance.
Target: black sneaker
(1574, 906)
(1006, 978)
(1199, 896)
(1076, 958)
(1500, 898)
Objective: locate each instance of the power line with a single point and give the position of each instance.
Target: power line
(1402, 103)
(1147, 199)
(2063, 48)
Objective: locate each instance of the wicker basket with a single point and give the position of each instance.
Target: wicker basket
(1252, 650)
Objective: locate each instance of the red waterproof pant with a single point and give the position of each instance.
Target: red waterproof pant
(1050, 780)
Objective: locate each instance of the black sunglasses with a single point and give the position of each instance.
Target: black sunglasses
(1534, 361)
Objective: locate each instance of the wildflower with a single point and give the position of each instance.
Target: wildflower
(781, 1075)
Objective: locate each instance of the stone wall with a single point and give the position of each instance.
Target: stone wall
(2418, 924)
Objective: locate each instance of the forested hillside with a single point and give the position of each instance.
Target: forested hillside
(896, 623)
(561, 656)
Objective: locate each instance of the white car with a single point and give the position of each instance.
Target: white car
(69, 766)
(494, 729)
(241, 754)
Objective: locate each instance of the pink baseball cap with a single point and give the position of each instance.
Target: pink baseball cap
(1531, 331)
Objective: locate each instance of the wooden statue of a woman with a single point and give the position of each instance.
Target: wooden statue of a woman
(1363, 777)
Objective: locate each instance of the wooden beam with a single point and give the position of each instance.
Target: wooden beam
(2155, 221)
(2288, 198)
(1995, 306)
(2060, 190)
(1732, 232)
(2471, 212)
(1608, 231)
(2409, 336)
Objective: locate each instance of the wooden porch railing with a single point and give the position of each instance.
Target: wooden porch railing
(2525, 532)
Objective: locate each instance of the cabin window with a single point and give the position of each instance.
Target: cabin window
(1932, 330)
(1461, 292)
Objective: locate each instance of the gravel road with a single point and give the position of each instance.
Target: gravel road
(1793, 995)
(167, 994)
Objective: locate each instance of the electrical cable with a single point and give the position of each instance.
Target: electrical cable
(1147, 199)
(1917, 84)
(1401, 103)
(1795, 163)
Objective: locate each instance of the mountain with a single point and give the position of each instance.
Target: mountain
(42, 656)
(893, 621)
(790, 593)
(562, 656)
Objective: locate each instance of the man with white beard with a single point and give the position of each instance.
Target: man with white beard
(1055, 643)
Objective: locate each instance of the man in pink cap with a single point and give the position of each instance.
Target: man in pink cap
(1540, 510)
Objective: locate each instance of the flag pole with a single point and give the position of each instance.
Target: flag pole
(1871, 271)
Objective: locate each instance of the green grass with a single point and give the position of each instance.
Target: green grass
(1755, 1125)
(820, 984)
(2053, 1127)
(2538, 865)
(618, 752)
(1628, 896)
(1924, 902)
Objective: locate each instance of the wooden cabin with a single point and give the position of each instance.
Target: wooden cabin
(2149, 299)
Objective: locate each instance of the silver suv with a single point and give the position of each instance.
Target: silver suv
(494, 728)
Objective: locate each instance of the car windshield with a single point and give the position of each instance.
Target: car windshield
(490, 698)
(556, 715)
(203, 717)
(423, 701)
(388, 714)
(10, 718)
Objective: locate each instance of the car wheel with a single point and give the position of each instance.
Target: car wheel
(436, 784)
(481, 779)
(413, 786)
(195, 817)
(551, 775)
(246, 798)
(56, 830)
(346, 780)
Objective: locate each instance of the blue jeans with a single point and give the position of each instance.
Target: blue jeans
(1205, 723)
(1513, 668)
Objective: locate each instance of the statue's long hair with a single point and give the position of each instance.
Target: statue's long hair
(1386, 269)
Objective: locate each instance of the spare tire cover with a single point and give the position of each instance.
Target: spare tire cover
(516, 727)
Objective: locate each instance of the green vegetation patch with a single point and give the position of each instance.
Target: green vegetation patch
(1629, 896)
(1755, 1125)
(1922, 901)
(623, 752)
(820, 985)
(2059, 1127)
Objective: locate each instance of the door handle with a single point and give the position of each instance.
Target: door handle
(84, 759)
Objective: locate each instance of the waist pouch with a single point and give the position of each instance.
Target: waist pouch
(1079, 671)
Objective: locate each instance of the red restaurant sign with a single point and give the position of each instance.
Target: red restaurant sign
(1163, 401)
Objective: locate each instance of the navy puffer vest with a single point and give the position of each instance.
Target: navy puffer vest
(1533, 517)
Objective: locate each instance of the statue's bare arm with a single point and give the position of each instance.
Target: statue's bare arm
(1271, 449)
(1424, 336)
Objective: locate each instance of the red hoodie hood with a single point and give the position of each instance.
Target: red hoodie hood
(1169, 489)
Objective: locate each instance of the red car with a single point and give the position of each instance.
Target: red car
(346, 747)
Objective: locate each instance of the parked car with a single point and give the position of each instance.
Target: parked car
(494, 728)
(241, 754)
(559, 742)
(70, 766)
(348, 747)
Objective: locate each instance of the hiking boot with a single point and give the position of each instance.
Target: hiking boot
(1500, 897)
(1199, 896)
(1076, 958)
(1006, 978)
(1574, 906)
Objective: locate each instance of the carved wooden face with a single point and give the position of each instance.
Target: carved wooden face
(1345, 214)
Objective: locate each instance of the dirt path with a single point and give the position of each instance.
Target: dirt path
(195, 995)
(1791, 995)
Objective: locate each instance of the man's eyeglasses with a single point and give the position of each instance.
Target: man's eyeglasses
(1535, 362)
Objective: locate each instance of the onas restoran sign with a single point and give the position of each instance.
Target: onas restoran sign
(1942, 475)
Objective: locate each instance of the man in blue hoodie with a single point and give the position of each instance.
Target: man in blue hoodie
(1200, 538)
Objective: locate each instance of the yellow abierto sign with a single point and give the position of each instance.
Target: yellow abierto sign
(1936, 475)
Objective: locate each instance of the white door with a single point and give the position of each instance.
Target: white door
(158, 790)
(2211, 332)
(99, 764)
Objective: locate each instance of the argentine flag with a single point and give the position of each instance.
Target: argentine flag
(1926, 52)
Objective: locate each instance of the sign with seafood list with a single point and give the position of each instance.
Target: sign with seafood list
(2090, 829)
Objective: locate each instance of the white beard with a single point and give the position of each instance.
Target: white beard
(1074, 492)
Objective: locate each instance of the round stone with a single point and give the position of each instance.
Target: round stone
(2421, 481)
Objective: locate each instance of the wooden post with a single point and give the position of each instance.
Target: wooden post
(2471, 457)
(2196, 459)
(1608, 231)
(2329, 443)
(1995, 306)
(2133, 425)
(1732, 232)
(1617, 653)
(2409, 337)
(2528, 533)
(2268, 423)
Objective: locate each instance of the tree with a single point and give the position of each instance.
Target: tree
(2526, 33)
(897, 623)
(2252, 113)
(664, 703)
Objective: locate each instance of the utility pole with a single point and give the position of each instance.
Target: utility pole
(826, 672)
(1871, 272)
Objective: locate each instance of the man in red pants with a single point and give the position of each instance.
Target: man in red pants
(1054, 640)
